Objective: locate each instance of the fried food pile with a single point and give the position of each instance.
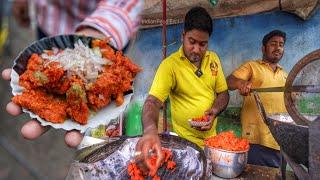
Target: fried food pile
(227, 140)
(61, 84)
(106, 132)
(203, 118)
(136, 173)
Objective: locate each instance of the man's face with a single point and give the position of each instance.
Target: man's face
(195, 44)
(273, 50)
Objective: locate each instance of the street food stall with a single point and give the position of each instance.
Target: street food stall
(290, 130)
(297, 134)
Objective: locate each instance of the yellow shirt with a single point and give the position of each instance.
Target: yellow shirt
(261, 75)
(190, 96)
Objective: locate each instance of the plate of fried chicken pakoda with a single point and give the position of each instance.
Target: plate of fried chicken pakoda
(73, 82)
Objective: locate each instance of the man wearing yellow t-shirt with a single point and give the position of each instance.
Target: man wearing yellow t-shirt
(193, 79)
(264, 150)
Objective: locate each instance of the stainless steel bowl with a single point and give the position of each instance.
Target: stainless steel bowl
(226, 164)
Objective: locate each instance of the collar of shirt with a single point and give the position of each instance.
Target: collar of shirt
(267, 64)
(182, 56)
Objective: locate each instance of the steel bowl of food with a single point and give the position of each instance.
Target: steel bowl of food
(226, 164)
(227, 154)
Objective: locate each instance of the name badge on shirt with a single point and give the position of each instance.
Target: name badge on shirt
(214, 68)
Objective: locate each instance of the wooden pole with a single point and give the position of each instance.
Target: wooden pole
(164, 55)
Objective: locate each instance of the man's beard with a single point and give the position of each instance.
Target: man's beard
(194, 58)
(272, 60)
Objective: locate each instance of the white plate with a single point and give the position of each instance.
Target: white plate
(197, 123)
(103, 116)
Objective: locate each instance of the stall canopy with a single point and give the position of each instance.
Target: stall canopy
(176, 9)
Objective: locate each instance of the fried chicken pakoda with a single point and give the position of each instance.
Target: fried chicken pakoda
(114, 81)
(46, 106)
(61, 84)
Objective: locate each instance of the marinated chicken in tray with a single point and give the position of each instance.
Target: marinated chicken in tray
(61, 84)
(136, 173)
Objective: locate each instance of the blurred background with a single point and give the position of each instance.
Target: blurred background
(45, 158)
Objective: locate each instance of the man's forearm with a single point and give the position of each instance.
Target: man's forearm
(150, 114)
(233, 82)
(220, 103)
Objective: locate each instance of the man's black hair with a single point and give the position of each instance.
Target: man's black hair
(273, 33)
(198, 18)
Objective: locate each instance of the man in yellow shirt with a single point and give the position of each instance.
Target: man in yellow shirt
(264, 150)
(193, 79)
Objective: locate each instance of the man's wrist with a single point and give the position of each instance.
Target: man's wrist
(239, 84)
(214, 111)
(150, 130)
(90, 31)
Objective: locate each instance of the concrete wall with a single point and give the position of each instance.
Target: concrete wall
(234, 39)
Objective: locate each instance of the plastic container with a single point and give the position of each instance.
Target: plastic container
(133, 124)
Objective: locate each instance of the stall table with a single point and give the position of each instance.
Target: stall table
(259, 173)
